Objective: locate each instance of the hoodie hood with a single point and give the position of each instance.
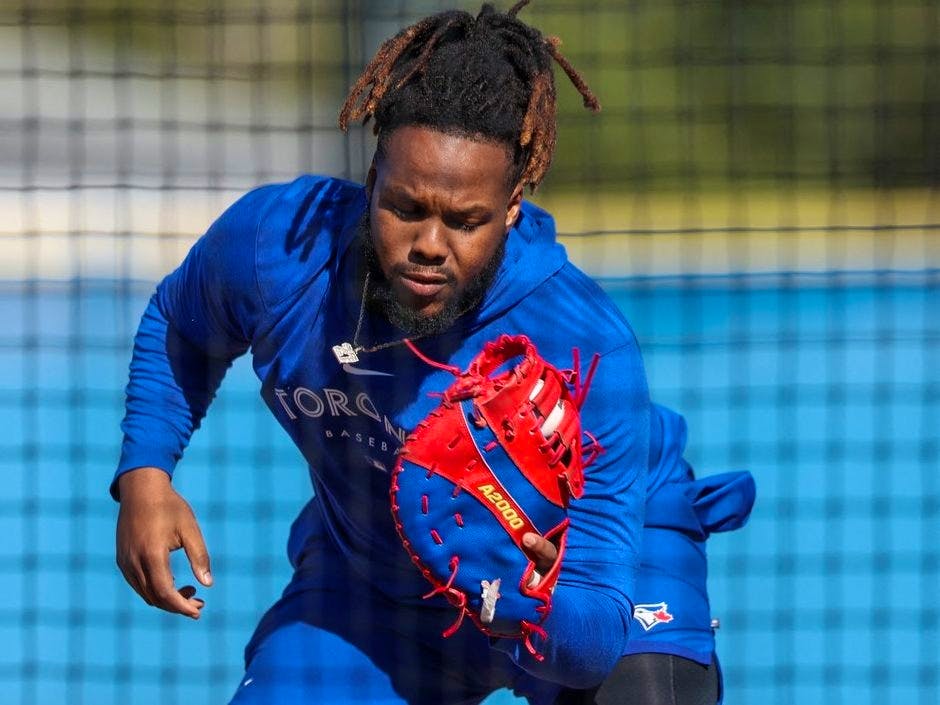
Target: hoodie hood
(533, 255)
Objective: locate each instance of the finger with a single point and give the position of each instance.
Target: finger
(134, 579)
(189, 592)
(161, 588)
(540, 550)
(195, 547)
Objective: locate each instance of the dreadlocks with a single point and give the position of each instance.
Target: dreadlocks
(488, 76)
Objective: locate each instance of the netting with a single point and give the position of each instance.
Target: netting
(759, 196)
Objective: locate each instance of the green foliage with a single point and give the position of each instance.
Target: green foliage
(714, 94)
(697, 94)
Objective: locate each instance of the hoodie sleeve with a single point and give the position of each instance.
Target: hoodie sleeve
(200, 319)
(592, 603)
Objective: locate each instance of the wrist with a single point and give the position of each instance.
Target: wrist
(142, 482)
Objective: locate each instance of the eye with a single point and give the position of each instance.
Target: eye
(466, 224)
(403, 212)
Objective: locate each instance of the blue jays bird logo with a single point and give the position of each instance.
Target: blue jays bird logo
(651, 615)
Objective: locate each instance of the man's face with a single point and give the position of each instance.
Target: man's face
(439, 212)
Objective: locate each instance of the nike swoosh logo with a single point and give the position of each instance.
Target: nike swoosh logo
(358, 371)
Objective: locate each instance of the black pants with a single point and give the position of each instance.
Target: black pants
(651, 679)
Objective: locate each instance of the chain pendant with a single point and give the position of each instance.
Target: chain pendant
(345, 354)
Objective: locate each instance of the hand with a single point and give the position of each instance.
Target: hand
(154, 520)
(542, 551)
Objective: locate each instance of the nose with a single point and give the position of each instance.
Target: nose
(429, 245)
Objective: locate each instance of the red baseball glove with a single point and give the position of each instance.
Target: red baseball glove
(501, 456)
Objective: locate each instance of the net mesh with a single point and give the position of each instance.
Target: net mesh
(759, 196)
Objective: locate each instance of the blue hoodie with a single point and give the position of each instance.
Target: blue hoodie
(672, 612)
(275, 274)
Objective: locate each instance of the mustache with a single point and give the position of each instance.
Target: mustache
(406, 269)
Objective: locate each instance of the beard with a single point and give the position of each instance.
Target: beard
(381, 298)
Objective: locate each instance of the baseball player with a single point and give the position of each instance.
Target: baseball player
(344, 293)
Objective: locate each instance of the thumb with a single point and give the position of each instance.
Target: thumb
(196, 552)
(540, 550)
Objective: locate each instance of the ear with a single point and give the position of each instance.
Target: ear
(515, 205)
